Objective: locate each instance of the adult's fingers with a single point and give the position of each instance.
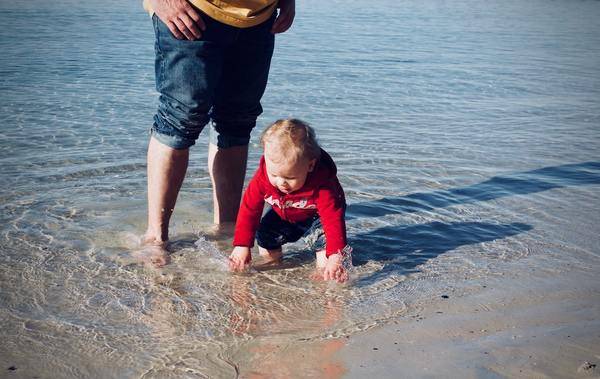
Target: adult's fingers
(191, 26)
(282, 23)
(284, 20)
(275, 27)
(175, 30)
(195, 16)
(183, 29)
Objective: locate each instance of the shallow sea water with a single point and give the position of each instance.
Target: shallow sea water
(466, 135)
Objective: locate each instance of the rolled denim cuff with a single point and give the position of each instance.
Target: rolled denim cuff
(174, 141)
(226, 141)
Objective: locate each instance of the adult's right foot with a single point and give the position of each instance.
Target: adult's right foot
(218, 232)
(152, 252)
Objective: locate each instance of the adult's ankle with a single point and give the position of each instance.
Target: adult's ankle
(154, 239)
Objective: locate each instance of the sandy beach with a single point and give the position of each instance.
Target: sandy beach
(536, 325)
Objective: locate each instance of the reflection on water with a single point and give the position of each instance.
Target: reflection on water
(465, 136)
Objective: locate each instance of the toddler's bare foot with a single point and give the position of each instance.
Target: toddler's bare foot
(270, 256)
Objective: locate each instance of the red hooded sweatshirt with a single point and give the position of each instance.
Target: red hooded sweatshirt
(321, 193)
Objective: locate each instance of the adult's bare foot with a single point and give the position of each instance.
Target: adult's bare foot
(221, 231)
(152, 253)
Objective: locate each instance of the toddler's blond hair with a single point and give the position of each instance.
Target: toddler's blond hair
(294, 139)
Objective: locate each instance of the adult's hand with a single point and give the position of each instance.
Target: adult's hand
(183, 20)
(287, 12)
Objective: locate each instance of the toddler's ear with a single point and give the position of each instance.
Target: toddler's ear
(311, 164)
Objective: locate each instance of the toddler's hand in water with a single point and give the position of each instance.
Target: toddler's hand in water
(239, 258)
(334, 270)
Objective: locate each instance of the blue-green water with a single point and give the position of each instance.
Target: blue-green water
(466, 134)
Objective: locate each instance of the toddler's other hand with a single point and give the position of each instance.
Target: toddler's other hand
(239, 258)
(334, 269)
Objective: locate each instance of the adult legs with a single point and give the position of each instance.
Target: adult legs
(191, 77)
(236, 107)
(166, 170)
(227, 169)
(187, 73)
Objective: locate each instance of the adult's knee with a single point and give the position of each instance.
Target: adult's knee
(232, 126)
(178, 124)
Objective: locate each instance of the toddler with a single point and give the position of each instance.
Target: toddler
(298, 180)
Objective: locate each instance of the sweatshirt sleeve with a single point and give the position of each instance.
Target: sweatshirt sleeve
(330, 205)
(248, 218)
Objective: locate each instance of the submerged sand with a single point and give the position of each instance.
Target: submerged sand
(531, 325)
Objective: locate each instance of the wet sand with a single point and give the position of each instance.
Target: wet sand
(528, 325)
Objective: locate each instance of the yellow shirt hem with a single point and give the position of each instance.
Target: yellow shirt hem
(228, 18)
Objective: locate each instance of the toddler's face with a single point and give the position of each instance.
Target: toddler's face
(287, 175)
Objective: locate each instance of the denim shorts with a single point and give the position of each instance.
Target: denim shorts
(219, 78)
(275, 232)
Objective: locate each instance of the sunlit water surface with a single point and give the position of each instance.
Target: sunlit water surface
(466, 135)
